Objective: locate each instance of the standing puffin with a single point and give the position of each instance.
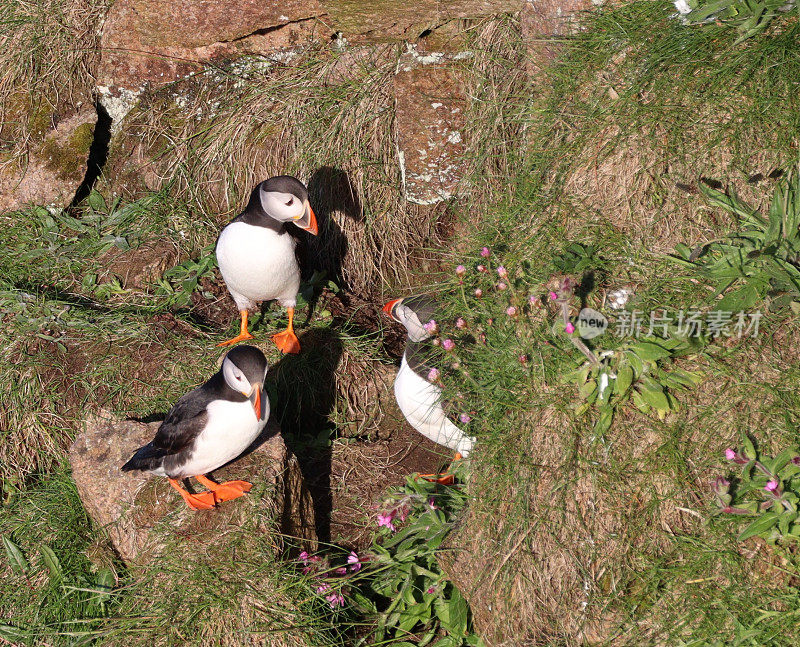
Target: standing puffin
(209, 427)
(255, 253)
(418, 399)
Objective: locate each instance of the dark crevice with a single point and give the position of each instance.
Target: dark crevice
(98, 154)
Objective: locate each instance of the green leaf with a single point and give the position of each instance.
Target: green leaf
(760, 526)
(51, 561)
(654, 395)
(650, 351)
(96, 201)
(604, 421)
(785, 521)
(738, 300)
(624, 379)
(748, 448)
(15, 557)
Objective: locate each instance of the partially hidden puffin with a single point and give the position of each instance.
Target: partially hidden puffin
(256, 257)
(208, 427)
(419, 400)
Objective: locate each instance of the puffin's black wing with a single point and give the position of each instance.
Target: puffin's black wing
(181, 426)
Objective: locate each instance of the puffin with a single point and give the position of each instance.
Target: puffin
(256, 253)
(208, 427)
(419, 400)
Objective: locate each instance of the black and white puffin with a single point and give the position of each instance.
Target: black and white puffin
(419, 400)
(208, 427)
(256, 253)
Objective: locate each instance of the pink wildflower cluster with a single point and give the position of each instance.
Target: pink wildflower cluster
(314, 563)
(386, 519)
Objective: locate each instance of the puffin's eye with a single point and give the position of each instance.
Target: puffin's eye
(237, 374)
(290, 203)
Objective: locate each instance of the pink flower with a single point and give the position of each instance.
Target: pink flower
(460, 323)
(448, 344)
(485, 252)
(386, 520)
(464, 418)
(323, 588)
(533, 300)
(511, 311)
(432, 505)
(303, 557)
(502, 272)
(569, 328)
(478, 293)
(402, 512)
(730, 454)
(335, 600)
(553, 296)
(342, 570)
(771, 486)
(354, 561)
(523, 359)
(501, 286)
(461, 270)
(433, 375)
(431, 589)
(431, 327)
(481, 268)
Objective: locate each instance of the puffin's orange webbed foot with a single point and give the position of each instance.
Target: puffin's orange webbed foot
(225, 491)
(202, 501)
(243, 334)
(287, 342)
(237, 339)
(443, 479)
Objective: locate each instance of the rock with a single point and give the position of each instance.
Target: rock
(545, 23)
(147, 43)
(430, 105)
(130, 505)
(55, 165)
(384, 20)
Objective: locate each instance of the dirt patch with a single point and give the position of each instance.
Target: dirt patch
(362, 472)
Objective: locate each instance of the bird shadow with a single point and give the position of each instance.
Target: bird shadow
(330, 191)
(303, 395)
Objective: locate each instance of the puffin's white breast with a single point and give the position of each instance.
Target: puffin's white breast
(258, 263)
(420, 402)
(231, 428)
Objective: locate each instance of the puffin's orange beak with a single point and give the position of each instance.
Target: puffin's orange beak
(256, 399)
(312, 221)
(388, 307)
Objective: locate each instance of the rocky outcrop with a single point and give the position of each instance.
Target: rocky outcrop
(385, 20)
(55, 164)
(149, 44)
(430, 111)
(131, 506)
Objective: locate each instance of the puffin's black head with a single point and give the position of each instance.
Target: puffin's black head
(244, 369)
(413, 312)
(284, 198)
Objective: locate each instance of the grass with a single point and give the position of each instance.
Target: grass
(37, 87)
(567, 537)
(611, 539)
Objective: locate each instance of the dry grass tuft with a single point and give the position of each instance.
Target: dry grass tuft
(38, 87)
